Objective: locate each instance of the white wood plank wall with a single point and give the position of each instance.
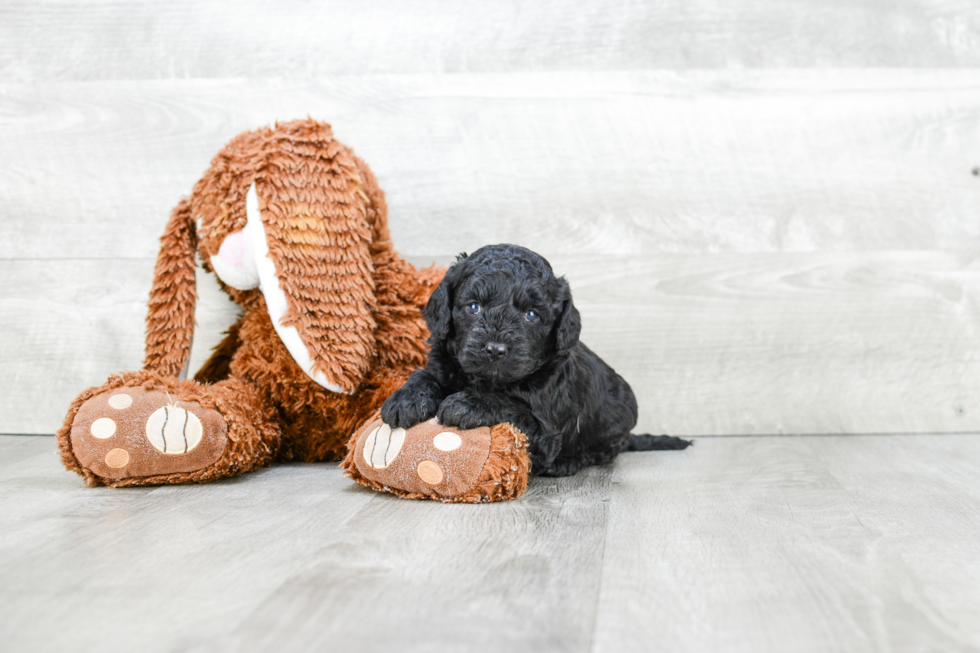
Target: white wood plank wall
(768, 210)
(142, 39)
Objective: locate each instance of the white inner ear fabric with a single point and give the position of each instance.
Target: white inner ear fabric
(275, 298)
(240, 277)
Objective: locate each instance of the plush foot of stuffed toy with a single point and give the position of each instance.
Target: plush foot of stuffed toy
(430, 461)
(295, 227)
(142, 429)
(139, 432)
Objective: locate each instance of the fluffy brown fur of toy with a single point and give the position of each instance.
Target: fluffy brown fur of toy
(354, 301)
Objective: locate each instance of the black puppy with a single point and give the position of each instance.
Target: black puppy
(505, 348)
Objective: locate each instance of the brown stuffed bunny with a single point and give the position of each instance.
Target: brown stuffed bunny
(295, 227)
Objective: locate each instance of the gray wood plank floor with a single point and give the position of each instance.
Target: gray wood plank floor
(819, 543)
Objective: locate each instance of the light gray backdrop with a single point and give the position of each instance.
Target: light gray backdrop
(768, 210)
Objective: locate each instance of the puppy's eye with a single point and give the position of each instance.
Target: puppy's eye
(473, 308)
(531, 316)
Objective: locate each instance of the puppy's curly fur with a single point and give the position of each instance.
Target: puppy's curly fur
(505, 348)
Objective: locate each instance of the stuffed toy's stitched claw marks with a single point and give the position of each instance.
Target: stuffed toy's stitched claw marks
(134, 432)
(382, 446)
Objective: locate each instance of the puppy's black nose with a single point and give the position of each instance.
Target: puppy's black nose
(496, 350)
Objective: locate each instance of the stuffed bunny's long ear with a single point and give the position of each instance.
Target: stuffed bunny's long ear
(275, 298)
(170, 315)
(289, 212)
(314, 258)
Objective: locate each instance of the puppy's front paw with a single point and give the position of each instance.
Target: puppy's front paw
(462, 411)
(405, 408)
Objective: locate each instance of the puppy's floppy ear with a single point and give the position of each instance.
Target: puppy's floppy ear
(438, 312)
(569, 323)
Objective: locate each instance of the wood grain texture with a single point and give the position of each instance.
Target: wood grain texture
(788, 343)
(296, 558)
(565, 163)
(795, 544)
(69, 324)
(828, 543)
(846, 342)
(93, 570)
(106, 39)
(419, 577)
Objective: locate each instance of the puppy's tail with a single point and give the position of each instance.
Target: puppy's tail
(656, 443)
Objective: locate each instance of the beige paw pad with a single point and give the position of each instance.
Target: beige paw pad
(382, 446)
(120, 401)
(174, 430)
(117, 458)
(430, 472)
(103, 428)
(447, 441)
